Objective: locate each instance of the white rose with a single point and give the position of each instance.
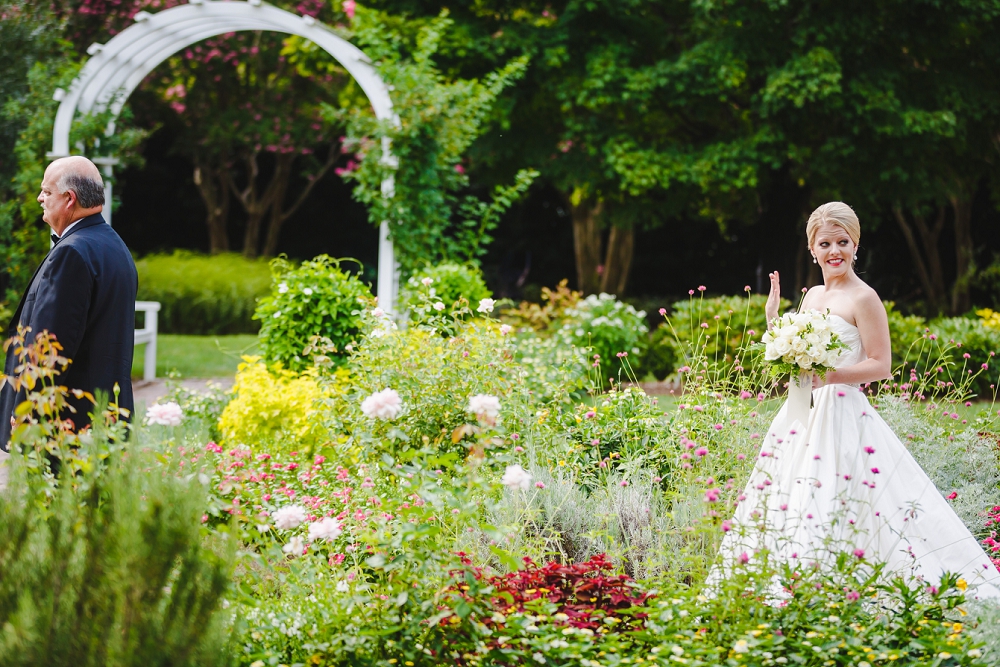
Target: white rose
(485, 306)
(295, 546)
(165, 414)
(385, 404)
(485, 407)
(799, 345)
(324, 529)
(289, 517)
(782, 346)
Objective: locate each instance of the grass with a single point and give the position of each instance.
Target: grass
(196, 356)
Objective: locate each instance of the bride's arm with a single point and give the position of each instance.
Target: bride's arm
(873, 325)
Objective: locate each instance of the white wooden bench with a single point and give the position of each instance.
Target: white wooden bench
(147, 335)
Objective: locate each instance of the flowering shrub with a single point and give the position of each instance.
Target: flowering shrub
(317, 298)
(277, 408)
(611, 328)
(445, 388)
(449, 284)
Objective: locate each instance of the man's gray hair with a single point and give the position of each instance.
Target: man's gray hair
(89, 191)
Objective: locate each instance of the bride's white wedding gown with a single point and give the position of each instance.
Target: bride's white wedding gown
(835, 477)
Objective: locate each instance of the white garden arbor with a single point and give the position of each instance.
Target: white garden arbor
(115, 69)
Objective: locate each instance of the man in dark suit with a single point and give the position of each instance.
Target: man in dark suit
(83, 293)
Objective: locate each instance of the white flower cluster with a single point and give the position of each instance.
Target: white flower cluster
(291, 517)
(805, 340)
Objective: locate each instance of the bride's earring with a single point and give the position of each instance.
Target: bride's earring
(855, 257)
(816, 262)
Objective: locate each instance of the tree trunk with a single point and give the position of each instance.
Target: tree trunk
(282, 175)
(279, 214)
(251, 236)
(214, 189)
(926, 255)
(965, 266)
(586, 243)
(618, 260)
(257, 203)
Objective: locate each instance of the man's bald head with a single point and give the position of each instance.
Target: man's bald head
(72, 189)
(82, 176)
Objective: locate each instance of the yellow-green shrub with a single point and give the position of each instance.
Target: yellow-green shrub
(276, 408)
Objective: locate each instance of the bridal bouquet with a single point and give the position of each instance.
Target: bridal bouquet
(802, 343)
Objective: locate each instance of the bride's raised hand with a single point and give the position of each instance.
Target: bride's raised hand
(773, 298)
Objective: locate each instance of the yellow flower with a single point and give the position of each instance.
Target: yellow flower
(991, 319)
(961, 584)
(956, 628)
(944, 655)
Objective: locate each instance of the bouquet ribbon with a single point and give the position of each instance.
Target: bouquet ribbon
(799, 399)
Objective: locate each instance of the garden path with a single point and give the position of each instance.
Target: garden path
(148, 393)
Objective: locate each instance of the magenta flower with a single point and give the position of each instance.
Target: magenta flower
(870, 450)
(701, 451)
(859, 553)
(701, 288)
(852, 596)
(744, 558)
(727, 526)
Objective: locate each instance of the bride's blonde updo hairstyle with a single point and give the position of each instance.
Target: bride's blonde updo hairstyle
(836, 213)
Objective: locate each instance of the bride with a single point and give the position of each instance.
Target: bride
(835, 477)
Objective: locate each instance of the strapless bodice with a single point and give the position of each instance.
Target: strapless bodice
(851, 337)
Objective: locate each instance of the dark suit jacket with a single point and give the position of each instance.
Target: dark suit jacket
(84, 294)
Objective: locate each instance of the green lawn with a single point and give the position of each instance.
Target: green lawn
(197, 356)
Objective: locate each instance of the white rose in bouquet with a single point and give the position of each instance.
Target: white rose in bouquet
(801, 342)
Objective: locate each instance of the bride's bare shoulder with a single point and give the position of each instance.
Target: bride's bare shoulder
(867, 302)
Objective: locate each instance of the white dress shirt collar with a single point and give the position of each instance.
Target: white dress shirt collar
(71, 226)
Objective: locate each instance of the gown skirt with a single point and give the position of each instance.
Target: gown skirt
(835, 477)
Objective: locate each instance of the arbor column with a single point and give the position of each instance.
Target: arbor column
(107, 165)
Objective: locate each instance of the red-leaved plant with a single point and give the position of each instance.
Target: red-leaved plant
(586, 593)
